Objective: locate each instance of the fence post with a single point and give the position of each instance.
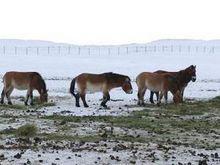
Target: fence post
(4, 50)
(171, 48)
(180, 48)
(79, 51)
(197, 49)
(69, 50)
(204, 49)
(15, 50)
(109, 51)
(48, 50)
(26, 50)
(189, 49)
(89, 51)
(59, 51)
(37, 51)
(213, 50)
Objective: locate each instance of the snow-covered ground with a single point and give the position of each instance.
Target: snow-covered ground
(58, 70)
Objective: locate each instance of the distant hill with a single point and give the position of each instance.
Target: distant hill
(34, 43)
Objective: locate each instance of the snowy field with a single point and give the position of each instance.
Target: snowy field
(58, 71)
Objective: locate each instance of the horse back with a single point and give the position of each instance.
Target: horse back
(20, 80)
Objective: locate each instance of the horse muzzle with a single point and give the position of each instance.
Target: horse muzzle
(130, 92)
(193, 78)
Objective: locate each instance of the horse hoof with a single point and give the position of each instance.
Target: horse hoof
(2, 102)
(32, 104)
(86, 106)
(9, 103)
(77, 105)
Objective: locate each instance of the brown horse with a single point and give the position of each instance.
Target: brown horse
(183, 78)
(24, 81)
(157, 82)
(98, 82)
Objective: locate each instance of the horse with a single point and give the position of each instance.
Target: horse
(24, 81)
(184, 77)
(98, 83)
(160, 83)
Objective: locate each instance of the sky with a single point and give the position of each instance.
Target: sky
(109, 21)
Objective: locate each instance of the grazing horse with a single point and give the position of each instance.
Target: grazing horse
(24, 81)
(183, 78)
(160, 83)
(98, 83)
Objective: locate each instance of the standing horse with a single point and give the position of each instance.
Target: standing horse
(160, 83)
(98, 83)
(24, 81)
(183, 78)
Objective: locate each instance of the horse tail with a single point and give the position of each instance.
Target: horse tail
(72, 87)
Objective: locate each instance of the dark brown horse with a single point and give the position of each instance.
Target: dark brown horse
(24, 81)
(160, 83)
(98, 83)
(183, 78)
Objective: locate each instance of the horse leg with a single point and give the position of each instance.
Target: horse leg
(31, 96)
(106, 98)
(2, 96)
(152, 97)
(77, 96)
(141, 93)
(182, 93)
(165, 97)
(8, 93)
(157, 94)
(161, 96)
(27, 97)
(83, 97)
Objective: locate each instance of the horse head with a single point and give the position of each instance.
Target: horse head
(191, 71)
(126, 86)
(43, 96)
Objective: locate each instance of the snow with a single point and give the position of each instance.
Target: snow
(59, 69)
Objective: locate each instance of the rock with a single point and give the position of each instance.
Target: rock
(17, 156)
(41, 161)
(2, 157)
(203, 162)
(216, 155)
(28, 161)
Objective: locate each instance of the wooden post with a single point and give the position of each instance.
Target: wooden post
(4, 50)
(79, 51)
(109, 51)
(69, 49)
(59, 51)
(37, 51)
(15, 50)
(26, 50)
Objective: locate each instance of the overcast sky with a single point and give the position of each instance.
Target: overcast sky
(109, 21)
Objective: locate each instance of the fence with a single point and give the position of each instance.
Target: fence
(133, 49)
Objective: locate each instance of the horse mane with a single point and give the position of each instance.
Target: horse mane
(42, 82)
(113, 77)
